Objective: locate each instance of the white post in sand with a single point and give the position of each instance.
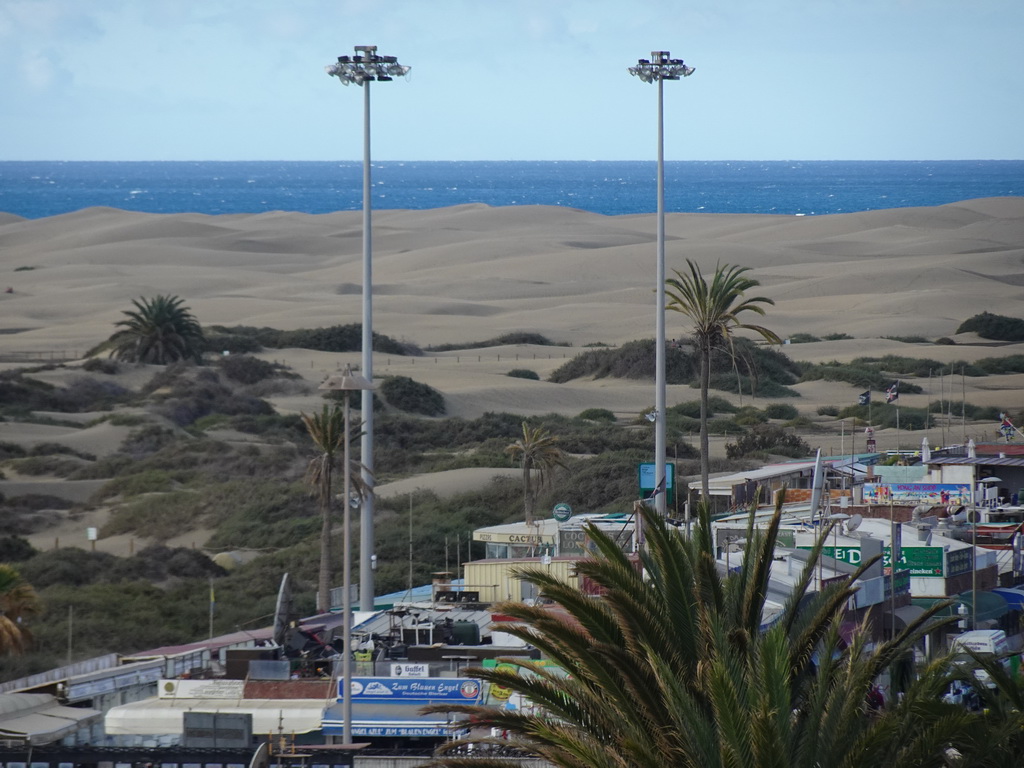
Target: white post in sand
(660, 67)
(363, 68)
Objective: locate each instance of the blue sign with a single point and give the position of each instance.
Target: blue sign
(409, 689)
(391, 730)
(648, 482)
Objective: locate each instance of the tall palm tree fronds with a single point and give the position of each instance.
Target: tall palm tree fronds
(678, 665)
(327, 431)
(536, 450)
(18, 602)
(715, 310)
(158, 331)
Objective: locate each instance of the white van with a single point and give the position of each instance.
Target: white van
(987, 641)
(984, 642)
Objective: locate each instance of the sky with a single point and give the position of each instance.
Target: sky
(512, 79)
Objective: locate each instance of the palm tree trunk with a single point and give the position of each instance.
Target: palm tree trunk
(705, 450)
(324, 581)
(527, 493)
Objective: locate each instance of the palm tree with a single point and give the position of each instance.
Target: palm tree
(18, 602)
(676, 665)
(715, 311)
(327, 430)
(535, 450)
(159, 331)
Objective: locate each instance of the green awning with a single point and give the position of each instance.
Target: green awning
(991, 606)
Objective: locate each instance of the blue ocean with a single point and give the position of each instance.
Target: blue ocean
(39, 189)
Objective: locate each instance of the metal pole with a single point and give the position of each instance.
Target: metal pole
(366, 537)
(893, 565)
(974, 547)
(346, 586)
(660, 501)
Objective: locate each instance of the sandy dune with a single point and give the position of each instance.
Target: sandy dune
(473, 272)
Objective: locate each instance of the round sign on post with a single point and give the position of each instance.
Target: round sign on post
(561, 512)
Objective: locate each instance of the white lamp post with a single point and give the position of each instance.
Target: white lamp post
(347, 382)
(362, 69)
(659, 68)
(975, 518)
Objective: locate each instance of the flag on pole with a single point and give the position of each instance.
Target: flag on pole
(893, 392)
(1006, 428)
(864, 398)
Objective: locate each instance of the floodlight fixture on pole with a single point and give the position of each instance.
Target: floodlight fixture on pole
(363, 68)
(658, 68)
(346, 382)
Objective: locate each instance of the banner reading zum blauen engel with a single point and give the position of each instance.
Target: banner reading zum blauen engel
(916, 493)
(407, 689)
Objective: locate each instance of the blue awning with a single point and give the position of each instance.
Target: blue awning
(387, 719)
(1014, 597)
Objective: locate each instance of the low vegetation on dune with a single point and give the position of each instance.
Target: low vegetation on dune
(996, 327)
(242, 339)
(204, 451)
(765, 371)
(507, 339)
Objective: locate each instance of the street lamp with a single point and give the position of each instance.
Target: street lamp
(659, 68)
(362, 69)
(975, 517)
(346, 382)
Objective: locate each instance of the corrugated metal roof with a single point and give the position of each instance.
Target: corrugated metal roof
(983, 461)
(772, 470)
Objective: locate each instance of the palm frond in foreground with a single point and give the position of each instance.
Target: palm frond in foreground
(674, 666)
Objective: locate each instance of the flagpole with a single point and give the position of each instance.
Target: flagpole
(942, 404)
(963, 402)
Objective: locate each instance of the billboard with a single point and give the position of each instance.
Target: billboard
(917, 493)
(412, 689)
(918, 561)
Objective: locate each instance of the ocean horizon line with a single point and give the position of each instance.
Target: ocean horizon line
(591, 161)
(810, 187)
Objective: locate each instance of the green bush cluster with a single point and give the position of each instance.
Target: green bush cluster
(246, 369)
(885, 416)
(783, 411)
(186, 394)
(336, 338)
(729, 382)
(748, 415)
(802, 338)
(633, 360)
(970, 411)
(523, 373)
(101, 365)
(15, 549)
(862, 375)
(21, 394)
(412, 396)
(995, 327)
(997, 365)
(763, 439)
(506, 339)
(766, 370)
(56, 465)
(597, 414)
(28, 513)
